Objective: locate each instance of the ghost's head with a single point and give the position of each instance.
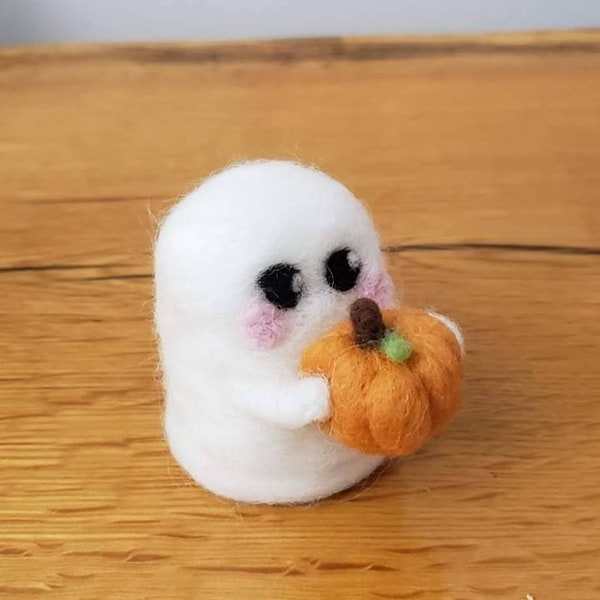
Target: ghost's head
(257, 262)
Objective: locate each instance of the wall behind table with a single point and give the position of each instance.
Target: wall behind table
(50, 21)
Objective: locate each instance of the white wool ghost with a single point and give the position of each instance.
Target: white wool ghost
(239, 417)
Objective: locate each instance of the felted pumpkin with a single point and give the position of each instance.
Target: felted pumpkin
(394, 377)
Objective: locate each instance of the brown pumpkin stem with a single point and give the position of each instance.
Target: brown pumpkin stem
(367, 323)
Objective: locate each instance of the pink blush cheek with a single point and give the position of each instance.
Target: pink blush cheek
(378, 287)
(265, 325)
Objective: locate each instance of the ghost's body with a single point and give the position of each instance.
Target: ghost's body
(252, 266)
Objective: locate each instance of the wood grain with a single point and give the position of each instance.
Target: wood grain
(479, 160)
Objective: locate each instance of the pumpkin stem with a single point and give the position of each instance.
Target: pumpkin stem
(367, 323)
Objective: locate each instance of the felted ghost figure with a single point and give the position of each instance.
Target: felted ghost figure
(252, 266)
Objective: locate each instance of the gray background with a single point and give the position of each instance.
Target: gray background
(49, 21)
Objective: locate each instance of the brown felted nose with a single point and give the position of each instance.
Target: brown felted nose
(367, 323)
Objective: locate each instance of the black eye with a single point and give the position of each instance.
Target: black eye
(282, 285)
(342, 269)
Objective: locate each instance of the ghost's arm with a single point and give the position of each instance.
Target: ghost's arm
(289, 403)
(453, 327)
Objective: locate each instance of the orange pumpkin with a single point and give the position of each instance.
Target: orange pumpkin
(394, 378)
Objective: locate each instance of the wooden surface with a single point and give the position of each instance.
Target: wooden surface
(480, 160)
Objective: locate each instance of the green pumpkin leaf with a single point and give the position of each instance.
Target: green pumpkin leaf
(395, 347)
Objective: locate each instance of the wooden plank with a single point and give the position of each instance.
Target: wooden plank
(502, 131)
(452, 142)
(505, 503)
